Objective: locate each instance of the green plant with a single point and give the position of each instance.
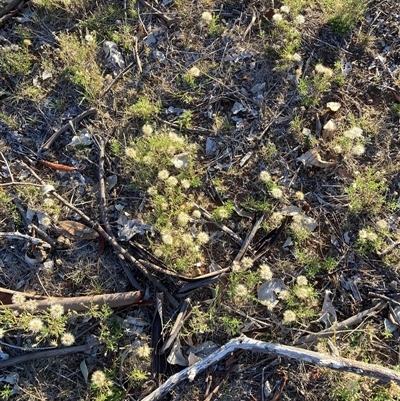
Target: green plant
(144, 109)
(222, 213)
(137, 377)
(366, 193)
(215, 28)
(396, 109)
(231, 325)
(81, 68)
(6, 392)
(185, 119)
(342, 15)
(15, 61)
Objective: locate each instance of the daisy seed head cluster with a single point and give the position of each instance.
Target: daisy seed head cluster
(265, 272)
(289, 316)
(99, 379)
(276, 193)
(320, 69)
(35, 325)
(163, 175)
(18, 299)
(147, 129)
(67, 339)
(206, 17)
(353, 133)
(56, 311)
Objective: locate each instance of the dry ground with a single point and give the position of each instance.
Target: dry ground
(207, 121)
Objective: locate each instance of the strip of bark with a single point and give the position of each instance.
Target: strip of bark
(244, 343)
(85, 302)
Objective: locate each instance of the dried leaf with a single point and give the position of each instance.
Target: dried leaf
(77, 230)
(328, 311)
(267, 292)
(330, 126)
(333, 106)
(313, 158)
(84, 370)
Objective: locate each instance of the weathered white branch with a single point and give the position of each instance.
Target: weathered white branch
(245, 343)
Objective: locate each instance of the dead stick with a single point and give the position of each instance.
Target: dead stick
(66, 127)
(117, 247)
(248, 239)
(244, 343)
(47, 354)
(120, 74)
(331, 331)
(85, 302)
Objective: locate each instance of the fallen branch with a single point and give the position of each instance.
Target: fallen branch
(244, 343)
(48, 354)
(84, 302)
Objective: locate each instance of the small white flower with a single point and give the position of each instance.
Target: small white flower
(163, 175)
(265, 272)
(296, 57)
(371, 236)
(289, 316)
(358, 150)
(67, 339)
(241, 291)
(275, 219)
(302, 281)
(285, 9)
(147, 160)
(277, 18)
(147, 129)
(185, 184)
(35, 325)
(183, 218)
(194, 72)
(303, 292)
(131, 152)
(246, 263)
(203, 237)
(300, 19)
(167, 238)
(30, 305)
(338, 149)
(56, 311)
(206, 17)
(276, 193)
(143, 352)
(382, 225)
(299, 195)
(99, 379)
(223, 214)
(236, 267)
(187, 239)
(265, 176)
(320, 69)
(196, 214)
(152, 191)
(172, 181)
(353, 133)
(363, 234)
(18, 299)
